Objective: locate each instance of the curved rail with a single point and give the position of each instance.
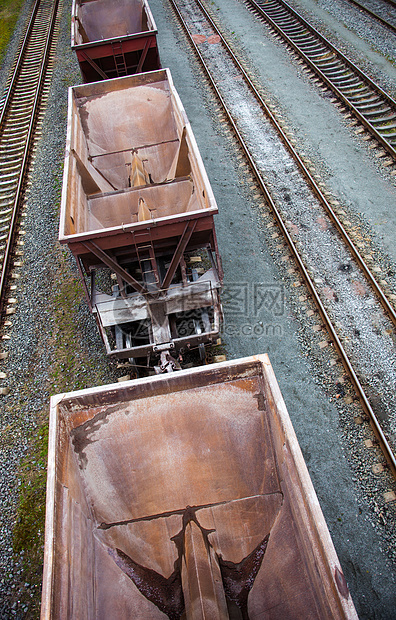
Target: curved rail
(18, 121)
(374, 108)
(383, 442)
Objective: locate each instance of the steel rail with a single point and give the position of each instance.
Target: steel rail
(355, 89)
(386, 304)
(19, 60)
(382, 440)
(383, 21)
(26, 155)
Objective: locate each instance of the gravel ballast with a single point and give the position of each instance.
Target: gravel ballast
(34, 339)
(332, 443)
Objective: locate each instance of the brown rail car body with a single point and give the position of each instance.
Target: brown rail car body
(113, 38)
(185, 496)
(137, 213)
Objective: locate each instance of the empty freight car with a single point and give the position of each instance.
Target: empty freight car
(137, 213)
(185, 496)
(113, 38)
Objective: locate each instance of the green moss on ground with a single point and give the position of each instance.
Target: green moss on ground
(34, 473)
(28, 535)
(9, 12)
(72, 368)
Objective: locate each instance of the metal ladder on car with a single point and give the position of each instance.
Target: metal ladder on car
(147, 262)
(119, 58)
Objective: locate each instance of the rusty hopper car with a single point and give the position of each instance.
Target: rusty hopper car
(185, 496)
(113, 38)
(137, 213)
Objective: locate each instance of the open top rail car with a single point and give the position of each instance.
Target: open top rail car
(113, 38)
(183, 495)
(146, 521)
(137, 207)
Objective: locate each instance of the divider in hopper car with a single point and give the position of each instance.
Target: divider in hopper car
(136, 207)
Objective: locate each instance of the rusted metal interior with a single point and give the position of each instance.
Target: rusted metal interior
(113, 38)
(185, 496)
(137, 213)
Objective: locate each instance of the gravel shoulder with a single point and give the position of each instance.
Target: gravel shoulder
(346, 164)
(53, 346)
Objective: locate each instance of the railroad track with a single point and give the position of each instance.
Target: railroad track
(20, 107)
(251, 120)
(372, 106)
(378, 6)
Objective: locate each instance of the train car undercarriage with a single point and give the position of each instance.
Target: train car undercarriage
(138, 215)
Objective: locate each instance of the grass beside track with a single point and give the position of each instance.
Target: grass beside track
(9, 12)
(72, 368)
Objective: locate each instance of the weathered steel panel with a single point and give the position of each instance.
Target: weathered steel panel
(187, 497)
(113, 38)
(136, 203)
(147, 120)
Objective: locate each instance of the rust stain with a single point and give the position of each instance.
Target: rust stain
(329, 293)
(247, 384)
(238, 579)
(359, 288)
(165, 593)
(260, 401)
(214, 38)
(322, 223)
(81, 435)
(199, 38)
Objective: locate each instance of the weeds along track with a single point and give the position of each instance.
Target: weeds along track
(329, 263)
(21, 108)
